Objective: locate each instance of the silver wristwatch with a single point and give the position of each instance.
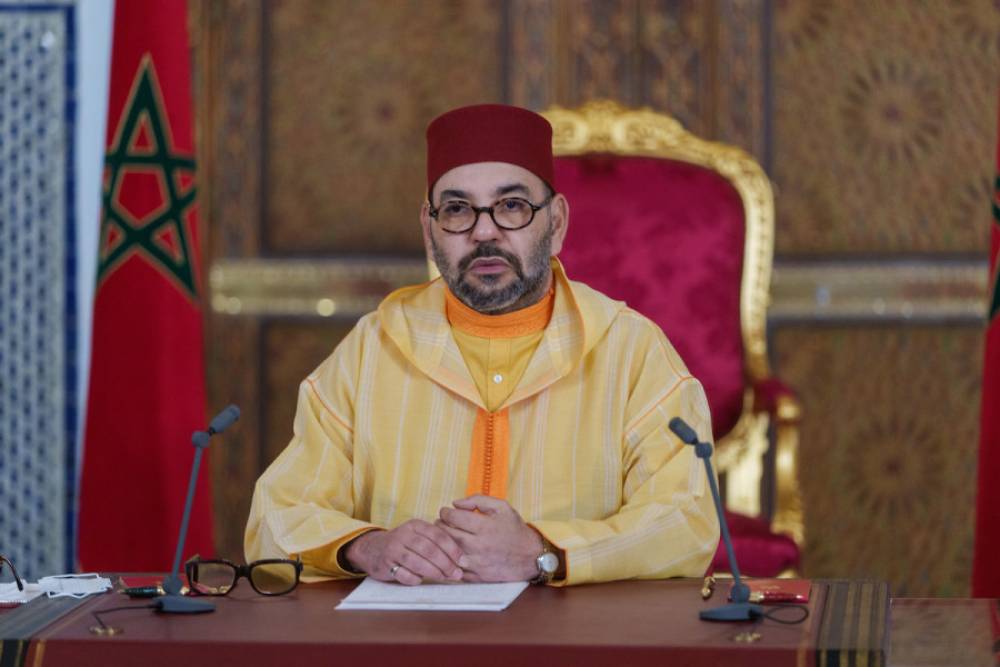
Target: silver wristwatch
(547, 563)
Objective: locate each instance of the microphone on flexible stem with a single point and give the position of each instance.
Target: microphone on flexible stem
(173, 602)
(740, 609)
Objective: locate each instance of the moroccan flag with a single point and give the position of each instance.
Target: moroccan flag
(986, 562)
(147, 384)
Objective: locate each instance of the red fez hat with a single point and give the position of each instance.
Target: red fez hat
(489, 133)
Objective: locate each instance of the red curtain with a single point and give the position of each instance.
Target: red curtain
(147, 385)
(986, 562)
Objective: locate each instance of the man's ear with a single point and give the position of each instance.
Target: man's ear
(560, 221)
(425, 227)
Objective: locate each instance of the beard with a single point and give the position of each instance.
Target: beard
(488, 297)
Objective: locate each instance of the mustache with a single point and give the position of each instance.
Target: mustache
(490, 250)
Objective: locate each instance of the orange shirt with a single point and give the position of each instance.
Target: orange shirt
(497, 348)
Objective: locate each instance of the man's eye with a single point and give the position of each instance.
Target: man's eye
(512, 205)
(454, 208)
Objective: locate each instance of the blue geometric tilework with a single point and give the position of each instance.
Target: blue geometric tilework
(37, 293)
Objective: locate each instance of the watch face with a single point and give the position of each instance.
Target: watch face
(548, 562)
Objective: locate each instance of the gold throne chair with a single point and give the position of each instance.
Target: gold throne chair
(682, 229)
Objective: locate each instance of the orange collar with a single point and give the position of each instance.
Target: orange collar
(522, 322)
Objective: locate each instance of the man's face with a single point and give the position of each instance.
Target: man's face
(491, 269)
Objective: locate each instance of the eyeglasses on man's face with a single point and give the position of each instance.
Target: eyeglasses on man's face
(457, 216)
(13, 570)
(270, 576)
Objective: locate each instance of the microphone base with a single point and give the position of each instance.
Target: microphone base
(172, 585)
(178, 604)
(736, 611)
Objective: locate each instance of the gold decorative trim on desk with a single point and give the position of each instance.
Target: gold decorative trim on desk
(924, 290)
(346, 288)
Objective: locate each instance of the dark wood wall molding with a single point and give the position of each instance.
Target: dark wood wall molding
(228, 49)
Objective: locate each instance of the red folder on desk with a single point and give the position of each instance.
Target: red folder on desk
(763, 591)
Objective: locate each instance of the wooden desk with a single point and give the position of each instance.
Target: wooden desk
(950, 632)
(625, 623)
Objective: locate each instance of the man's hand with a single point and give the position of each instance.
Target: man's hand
(421, 551)
(497, 543)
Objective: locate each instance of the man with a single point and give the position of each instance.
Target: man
(501, 423)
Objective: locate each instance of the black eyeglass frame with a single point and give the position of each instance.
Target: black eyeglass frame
(240, 571)
(479, 210)
(17, 577)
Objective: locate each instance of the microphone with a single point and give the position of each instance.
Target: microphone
(173, 602)
(219, 423)
(683, 431)
(224, 420)
(740, 609)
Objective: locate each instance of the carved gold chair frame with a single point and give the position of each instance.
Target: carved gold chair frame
(606, 127)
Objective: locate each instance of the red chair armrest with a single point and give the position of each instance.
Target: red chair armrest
(773, 396)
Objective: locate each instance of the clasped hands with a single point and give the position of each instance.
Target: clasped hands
(479, 539)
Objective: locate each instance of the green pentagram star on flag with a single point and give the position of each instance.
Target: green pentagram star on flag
(148, 190)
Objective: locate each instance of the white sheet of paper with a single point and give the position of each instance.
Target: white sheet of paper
(10, 595)
(373, 594)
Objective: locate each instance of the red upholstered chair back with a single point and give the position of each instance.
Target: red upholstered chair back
(681, 229)
(666, 237)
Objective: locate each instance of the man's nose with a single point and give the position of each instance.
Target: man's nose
(484, 229)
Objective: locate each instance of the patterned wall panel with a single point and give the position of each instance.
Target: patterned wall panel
(702, 62)
(601, 50)
(226, 35)
(293, 350)
(38, 413)
(889, 451)
(532, 41)
(350, 88)
(884, 125)
(741, 77)
(675, 58)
